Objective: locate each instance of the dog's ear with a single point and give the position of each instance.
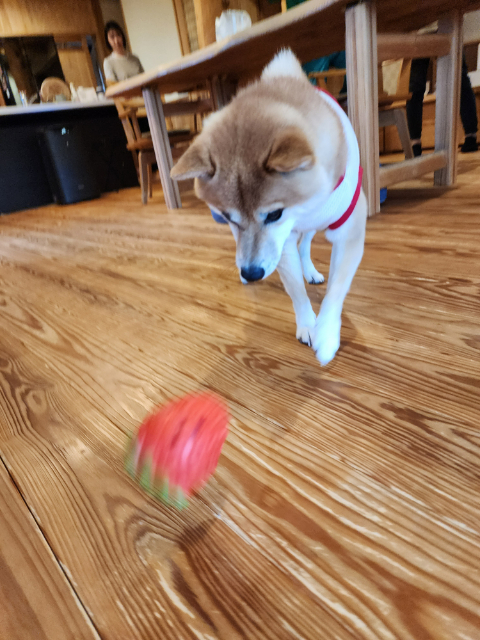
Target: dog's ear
(290, 151)
(195, 163)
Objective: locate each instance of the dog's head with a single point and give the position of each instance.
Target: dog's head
(254, 163)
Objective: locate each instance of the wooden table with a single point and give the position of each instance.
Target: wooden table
(314, 29)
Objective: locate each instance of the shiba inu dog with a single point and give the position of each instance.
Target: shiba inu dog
(280, 163)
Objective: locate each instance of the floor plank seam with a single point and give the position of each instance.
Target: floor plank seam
(49, 546)
(346, 500)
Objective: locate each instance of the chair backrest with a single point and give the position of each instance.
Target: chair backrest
(331, 80)
(52, 87)
(128, 112)
(395, 76)
(181, 117)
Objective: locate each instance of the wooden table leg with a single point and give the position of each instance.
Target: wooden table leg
(216, 93)
(161, 144)
(400, 116)
(447, 107)
(222, 90)
(362, 78)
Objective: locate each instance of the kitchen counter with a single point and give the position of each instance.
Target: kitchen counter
(48, 107)
(24, 182)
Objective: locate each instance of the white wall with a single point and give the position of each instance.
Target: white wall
(471, 27)
(152, 31)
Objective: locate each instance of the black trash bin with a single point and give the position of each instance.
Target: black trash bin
(69, 167)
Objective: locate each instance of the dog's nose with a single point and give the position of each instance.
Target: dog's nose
(252, 273)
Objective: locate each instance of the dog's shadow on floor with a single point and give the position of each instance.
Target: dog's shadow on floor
(273, 385)
(267, 371)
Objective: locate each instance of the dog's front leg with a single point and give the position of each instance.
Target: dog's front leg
(290, 271)
(347, 251)
(311, 275)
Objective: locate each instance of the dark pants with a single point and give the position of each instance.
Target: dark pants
(143, 125)
(418, 83)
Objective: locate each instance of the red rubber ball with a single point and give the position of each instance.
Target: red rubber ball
(178, 446)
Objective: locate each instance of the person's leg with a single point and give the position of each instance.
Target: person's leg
(417, 86)
(143, 124)
(468, 112)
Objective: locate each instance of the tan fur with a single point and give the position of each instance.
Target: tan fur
(240, 139)
(279, 147)
(290, 151)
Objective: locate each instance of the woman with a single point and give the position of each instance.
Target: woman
(119, 65)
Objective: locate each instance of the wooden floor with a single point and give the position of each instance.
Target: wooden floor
(347, 500)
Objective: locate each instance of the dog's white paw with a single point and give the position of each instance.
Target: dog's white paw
(326, 340)
(304, 335)
(312, 276)
(306, 325)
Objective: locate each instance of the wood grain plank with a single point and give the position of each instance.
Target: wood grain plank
(28, 17)
(177, 321)
(130, 540)
(346, 503)
(248, 479)
(37, 602)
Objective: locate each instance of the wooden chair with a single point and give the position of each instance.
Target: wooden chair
(141, 144)
(331, 80)
(391, 108)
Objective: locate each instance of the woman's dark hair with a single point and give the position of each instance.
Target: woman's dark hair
(112, 25)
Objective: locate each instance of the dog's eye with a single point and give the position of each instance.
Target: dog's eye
(273, 216)
(228, 218)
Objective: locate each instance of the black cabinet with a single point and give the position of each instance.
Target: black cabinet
(24, 182)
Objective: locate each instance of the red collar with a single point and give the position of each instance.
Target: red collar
(349, 211)
(327, 92)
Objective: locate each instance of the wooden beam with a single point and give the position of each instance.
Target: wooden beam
(88, 62)
(447, 107)
(182, 26)
(417, 193)
(411, 169)
(205, 14)
(100, 45)
(161, 144)
(393, 46)
(401, 123)
(171, 109)
(222, 90)
(362, 74)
